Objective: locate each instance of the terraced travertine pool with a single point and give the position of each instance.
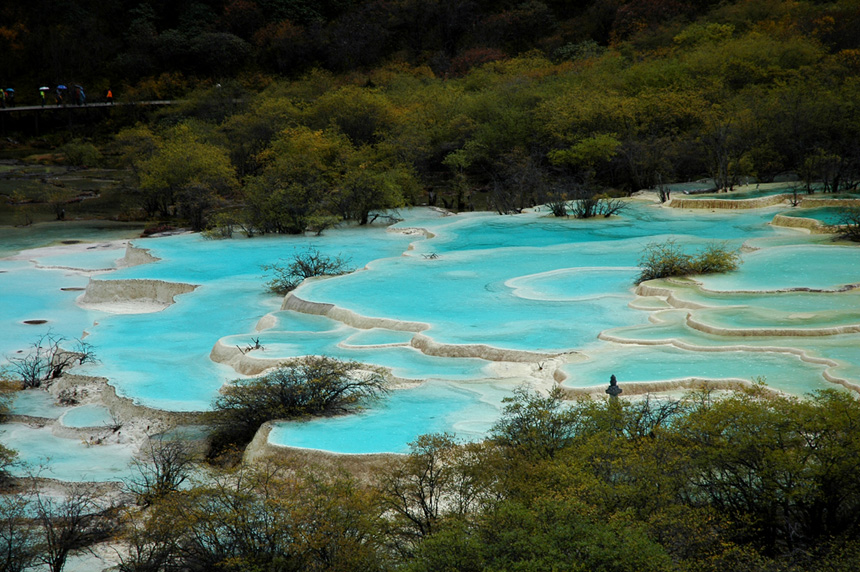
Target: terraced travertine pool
(460, 309)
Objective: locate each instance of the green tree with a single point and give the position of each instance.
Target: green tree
(248, 133)
(364, 115)
(664, 259)
(587, 152)
(264, 518)
(534, 424)
(183, 162)
(299, 180)
(311, 177)
(558, 530)
(439, 481)
(81, 153)
(778, 466)
(372, 183)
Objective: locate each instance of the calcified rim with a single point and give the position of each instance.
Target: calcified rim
(729, 204)
(651, 290)
(686, 202)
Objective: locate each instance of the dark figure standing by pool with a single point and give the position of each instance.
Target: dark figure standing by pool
(613, 390)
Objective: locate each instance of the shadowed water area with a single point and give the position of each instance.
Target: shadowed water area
(460, 316)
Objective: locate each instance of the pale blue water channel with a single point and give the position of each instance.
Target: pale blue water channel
(826, 215)
(528, 282)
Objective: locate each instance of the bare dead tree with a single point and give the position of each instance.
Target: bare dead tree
(662, 189)
(71, 523)
(587, 204)
(161, 470)
(794, 200)
(519, 180)
(557, 204)
(304, 265)
(849, 223)
(17, 535)
(47, 360)
(607, 206)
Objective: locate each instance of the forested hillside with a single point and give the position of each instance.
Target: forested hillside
(125, 41)
(465, 104)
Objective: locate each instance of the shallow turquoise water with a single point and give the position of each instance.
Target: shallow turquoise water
(377, 336)
(435, 407)
(87, 416)
(671, 328)
(526, 282)
(662, 363)
(826, 215)
(801, 266)
(403, 361)
(49, 456)
(36, 403)
(36, 294)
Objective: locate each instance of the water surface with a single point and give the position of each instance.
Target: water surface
(481, 282)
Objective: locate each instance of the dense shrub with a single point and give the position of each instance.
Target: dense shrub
(663, 259)
(81, 153)
(754, 481)
(313, 385)
(715, 258)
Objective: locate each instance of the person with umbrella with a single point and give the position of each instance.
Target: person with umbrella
(9, 95)
(79, 96)
(43, 93)
(58, 94)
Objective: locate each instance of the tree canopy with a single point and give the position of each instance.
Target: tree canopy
(691, 91)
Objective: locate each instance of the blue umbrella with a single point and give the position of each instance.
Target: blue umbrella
(10, 89)
(61, 87)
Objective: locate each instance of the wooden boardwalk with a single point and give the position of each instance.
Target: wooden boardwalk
(55, 107)
(35, 119)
